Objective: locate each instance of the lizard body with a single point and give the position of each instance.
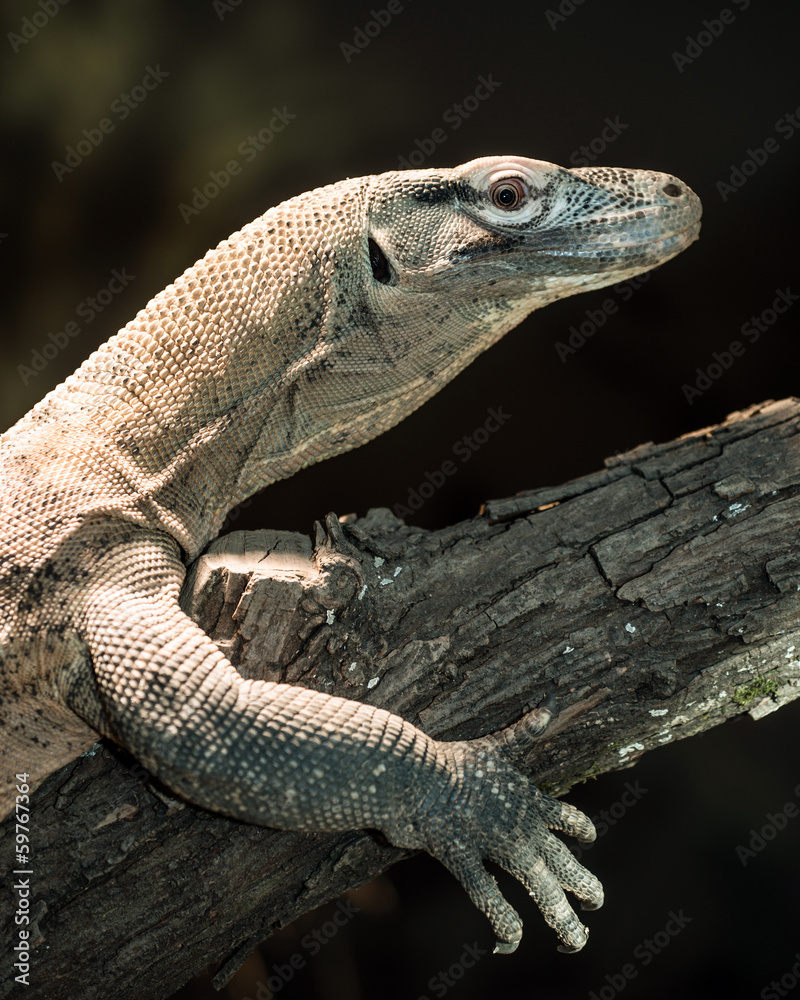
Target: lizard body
(314, 328)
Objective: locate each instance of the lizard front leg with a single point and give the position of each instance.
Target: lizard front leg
(287, 757)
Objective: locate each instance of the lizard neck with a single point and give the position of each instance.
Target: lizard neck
(253, 364)
(165, 418)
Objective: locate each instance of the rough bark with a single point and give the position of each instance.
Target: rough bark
(655, 599)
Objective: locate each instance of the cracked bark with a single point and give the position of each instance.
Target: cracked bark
(655, 598)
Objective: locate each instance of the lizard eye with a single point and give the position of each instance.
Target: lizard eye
(507, 193)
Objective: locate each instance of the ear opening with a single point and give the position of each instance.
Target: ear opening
(381, 269)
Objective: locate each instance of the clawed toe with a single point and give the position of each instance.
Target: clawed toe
(505, 947)
(593, 904)
(568, 950)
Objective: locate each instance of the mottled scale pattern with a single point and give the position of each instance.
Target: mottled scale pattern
(311, 330)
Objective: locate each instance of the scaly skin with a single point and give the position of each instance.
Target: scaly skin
(319, 325)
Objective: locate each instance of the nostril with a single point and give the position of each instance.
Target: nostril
(672, 190)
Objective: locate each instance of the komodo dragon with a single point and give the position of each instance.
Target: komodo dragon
(311, 330)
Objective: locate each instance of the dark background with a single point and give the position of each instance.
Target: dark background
(560, 77)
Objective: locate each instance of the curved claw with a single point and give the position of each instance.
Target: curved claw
(504, 948)
(485, 893)
(547, 891)
(494, 813)
(572, 951)
(570, 874)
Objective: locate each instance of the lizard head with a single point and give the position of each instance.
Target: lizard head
(387, 286)
(334, 315)
(507, 227)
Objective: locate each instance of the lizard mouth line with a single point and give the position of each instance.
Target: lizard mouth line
(682, 238)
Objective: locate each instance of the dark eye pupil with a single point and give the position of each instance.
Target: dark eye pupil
(507, 194)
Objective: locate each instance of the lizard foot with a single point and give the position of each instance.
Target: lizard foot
(489, 810)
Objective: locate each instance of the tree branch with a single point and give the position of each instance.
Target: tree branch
(655, 598)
